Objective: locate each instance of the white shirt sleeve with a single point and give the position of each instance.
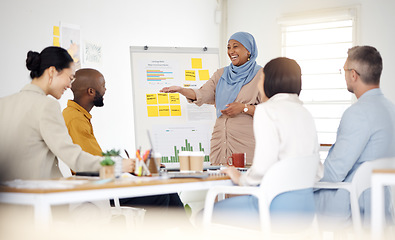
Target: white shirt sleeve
(267, 144)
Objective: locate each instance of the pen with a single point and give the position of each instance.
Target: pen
(127, 154)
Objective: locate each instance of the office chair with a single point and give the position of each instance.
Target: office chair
(284, 176)
(361, 181)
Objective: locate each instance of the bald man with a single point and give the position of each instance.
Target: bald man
(88, 89)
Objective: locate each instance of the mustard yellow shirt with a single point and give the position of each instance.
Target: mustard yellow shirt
(78, 122)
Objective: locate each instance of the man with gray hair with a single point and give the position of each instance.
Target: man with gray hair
(366, 132)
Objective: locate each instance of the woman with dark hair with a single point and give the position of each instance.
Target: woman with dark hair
(283, 129)
(33, 134)
(233, 91)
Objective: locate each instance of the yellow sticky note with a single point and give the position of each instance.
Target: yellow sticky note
(163, 98)
(196, 63)
(174, 98)
(164, 111)
(56, 31)
(190, 75)
(151, 99)
(175, 110)
(204, 75)
(152, 111)
(56, 41)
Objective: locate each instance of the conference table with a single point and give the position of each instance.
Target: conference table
(380, 179)
(44, 194)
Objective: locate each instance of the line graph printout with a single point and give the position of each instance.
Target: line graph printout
(170, 140)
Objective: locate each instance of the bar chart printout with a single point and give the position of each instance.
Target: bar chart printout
(169, 141)
(159, 73)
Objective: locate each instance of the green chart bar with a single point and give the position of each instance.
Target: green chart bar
(165, 159)
(187, 147)
(200, 147)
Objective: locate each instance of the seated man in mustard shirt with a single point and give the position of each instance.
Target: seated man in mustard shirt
(88, 89)
(88, 92)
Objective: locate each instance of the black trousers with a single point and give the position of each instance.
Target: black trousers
(156, 201)
(165, 207)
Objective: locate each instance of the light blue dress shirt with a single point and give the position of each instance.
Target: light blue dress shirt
(366, 132)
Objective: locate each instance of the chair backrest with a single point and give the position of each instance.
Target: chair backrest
(362, 178)
(288, 175)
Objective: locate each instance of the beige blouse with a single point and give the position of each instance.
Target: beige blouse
(33, 135)
(231, 134)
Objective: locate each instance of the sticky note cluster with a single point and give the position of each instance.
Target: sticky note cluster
(193, 75)
(158, 104)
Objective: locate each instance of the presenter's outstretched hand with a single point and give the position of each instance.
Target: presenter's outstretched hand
(233, 109)
(171, 89)
(233, 173)
(128, 165)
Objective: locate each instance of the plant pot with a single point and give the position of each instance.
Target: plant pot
(107, 172)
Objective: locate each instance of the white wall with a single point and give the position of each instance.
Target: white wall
(116, 25)
(259, 17)
(27, 25)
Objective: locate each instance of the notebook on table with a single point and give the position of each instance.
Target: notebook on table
(200, 175)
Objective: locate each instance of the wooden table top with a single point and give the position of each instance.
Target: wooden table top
(389, 171)
(96, 183)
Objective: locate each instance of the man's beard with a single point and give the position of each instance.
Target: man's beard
(98, 100)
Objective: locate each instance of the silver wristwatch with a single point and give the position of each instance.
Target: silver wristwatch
(245, 108)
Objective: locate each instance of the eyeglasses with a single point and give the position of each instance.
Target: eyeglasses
(349, 69)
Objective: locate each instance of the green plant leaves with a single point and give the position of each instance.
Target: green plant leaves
(111, 152)
(107, 161)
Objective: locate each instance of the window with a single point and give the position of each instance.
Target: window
(319, 45)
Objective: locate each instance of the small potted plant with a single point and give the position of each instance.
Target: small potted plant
(110, 164)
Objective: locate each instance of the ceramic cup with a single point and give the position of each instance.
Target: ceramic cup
(237, 160)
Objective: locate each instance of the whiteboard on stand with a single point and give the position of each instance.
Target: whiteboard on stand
(173, 123)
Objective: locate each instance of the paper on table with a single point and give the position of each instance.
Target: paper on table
(44, 184)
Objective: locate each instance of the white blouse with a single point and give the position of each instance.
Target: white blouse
(283, 129)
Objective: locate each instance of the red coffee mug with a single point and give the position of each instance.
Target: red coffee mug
(237, 160)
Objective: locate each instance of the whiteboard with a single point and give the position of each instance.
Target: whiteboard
(173, 123)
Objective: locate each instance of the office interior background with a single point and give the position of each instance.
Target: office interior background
(116, 25)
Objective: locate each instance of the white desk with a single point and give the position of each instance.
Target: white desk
(380, 179)
(43, 199)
